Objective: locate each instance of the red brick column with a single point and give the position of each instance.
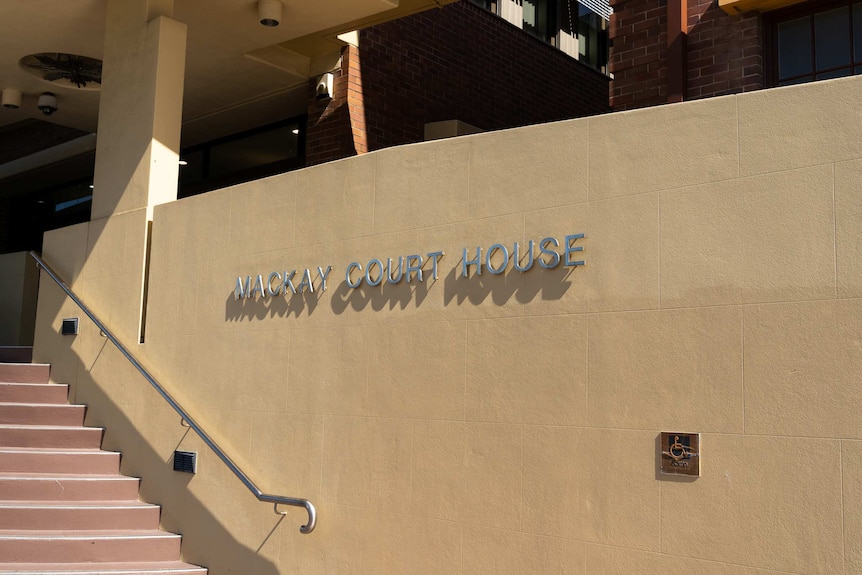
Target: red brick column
(336, 126)
(639, 53)
(724, 53)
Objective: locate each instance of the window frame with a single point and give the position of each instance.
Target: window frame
(771, 21)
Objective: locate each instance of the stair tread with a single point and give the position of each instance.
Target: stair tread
(106, 568)
(89, 504)
(33, 384)
(40, 405)
(45, 483)
(25, 476)
(43, 427)
(19, 449)
(84, 534)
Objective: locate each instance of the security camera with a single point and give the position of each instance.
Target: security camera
(47, 103)
(323, 90)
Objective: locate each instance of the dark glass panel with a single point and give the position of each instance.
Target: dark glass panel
(801, 80)
(794, 47)
(194, 169)
(832, 38)
(834, 74)
(589, 37)
(254, 150)
(857, 32)
(540, 18)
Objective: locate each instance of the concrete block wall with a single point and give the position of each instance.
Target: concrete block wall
(508, 423)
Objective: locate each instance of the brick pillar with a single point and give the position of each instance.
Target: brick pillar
(639, 53)
(722, 54)
(336, 126)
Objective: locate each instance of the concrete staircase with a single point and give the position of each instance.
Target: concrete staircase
(64, 507)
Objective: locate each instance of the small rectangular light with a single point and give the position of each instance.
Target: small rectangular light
(186, 461)
(70, 326)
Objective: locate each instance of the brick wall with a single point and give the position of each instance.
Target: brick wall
(457, 62)
(328, 134)
(724, 53)
(638, 59)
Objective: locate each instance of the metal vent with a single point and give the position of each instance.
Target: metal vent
(70, 326)
(186, 461)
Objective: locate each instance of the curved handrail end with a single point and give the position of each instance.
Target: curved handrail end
(309, 508)
(312, 518)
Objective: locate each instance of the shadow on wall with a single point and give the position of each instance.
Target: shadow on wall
(205, 540)
(457, 290)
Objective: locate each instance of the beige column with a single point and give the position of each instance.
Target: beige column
(140, 111)
(137, 154)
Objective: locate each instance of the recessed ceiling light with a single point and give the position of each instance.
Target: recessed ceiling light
(11, 98)
(269, 12)
(295, 130)
(91, 186)
(183, 163)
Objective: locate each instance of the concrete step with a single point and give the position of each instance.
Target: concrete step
(64, 508)
(24, 372)
(65, 461)
(16, 354)
(33, 392)
(62, 487)
(138, 568)
(88, 546)
(58, 414)
(88, 515)
(50, 436)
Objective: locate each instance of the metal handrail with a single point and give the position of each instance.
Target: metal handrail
(276, 500)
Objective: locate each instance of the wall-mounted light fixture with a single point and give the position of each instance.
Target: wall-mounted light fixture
(69, 326)
(11, 98)
(269, 12)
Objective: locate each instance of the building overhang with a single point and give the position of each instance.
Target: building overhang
(231, 59)
(734, 7)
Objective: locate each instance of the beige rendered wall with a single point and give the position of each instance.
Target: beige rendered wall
(508, 423)
(19, 283)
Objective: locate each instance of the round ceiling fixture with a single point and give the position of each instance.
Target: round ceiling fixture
(66, 70)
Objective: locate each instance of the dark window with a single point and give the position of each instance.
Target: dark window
(242, 157)
(570, 25)
(815, 41)
(540, 19)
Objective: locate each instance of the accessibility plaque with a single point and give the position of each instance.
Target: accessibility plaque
(680, 454)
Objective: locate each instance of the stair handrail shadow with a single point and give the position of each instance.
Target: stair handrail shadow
(276, 500)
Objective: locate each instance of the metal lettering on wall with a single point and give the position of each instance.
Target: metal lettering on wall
(680, 454)
(547, 253)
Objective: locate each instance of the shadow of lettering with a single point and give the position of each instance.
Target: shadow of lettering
(550, 284)
(276, 306)
(393, 296)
